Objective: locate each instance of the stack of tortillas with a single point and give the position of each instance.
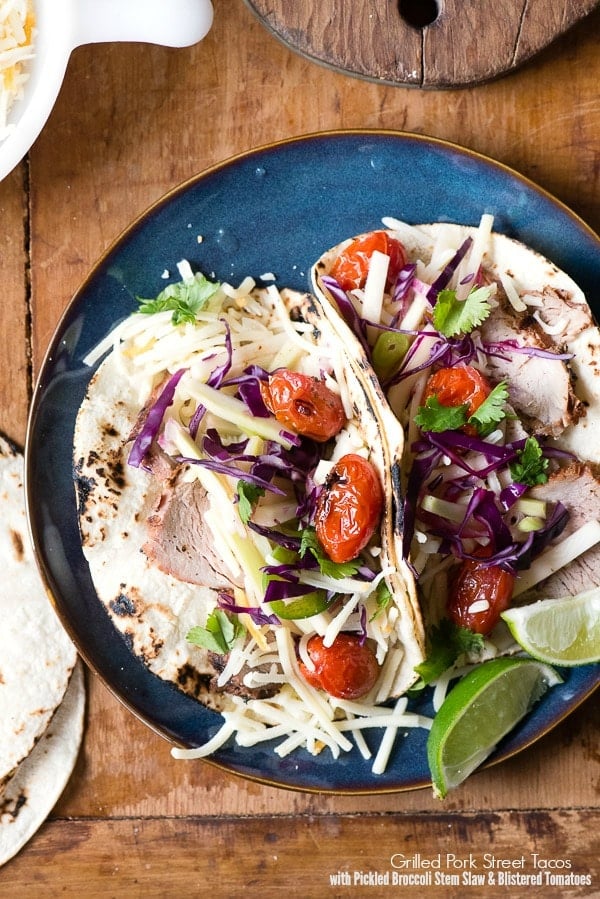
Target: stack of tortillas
(42, 692)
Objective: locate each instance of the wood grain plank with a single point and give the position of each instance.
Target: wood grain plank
(467, 43)
(475, 42)
(134, 121)
(14, 307)
(267, 856)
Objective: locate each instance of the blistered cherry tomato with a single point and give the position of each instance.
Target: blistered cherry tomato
(346, 669)
(351, 267)
(304, 404)
(476, 585)
(349, 508)
(458, 385)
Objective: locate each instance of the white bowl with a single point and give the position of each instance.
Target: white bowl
(62, 25)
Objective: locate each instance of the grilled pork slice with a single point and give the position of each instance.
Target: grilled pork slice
(179, 543)
(558, 314)
(540, 388)
(577, 487)
(235, 685)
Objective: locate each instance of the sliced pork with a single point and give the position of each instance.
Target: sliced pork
(179, 542)
(235, 685)
(557, 314)
(577, 487)
(540, 388)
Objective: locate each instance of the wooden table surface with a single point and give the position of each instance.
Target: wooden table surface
(131, 122)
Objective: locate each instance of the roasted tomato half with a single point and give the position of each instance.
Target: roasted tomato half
(349, 508)
(351, 267)
(347, 669)
(458, 385)
(304, 404)
(478, 594)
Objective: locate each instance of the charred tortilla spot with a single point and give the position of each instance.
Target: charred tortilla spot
(397, 499)
(193, 681)
(85, 487)
(17, 543)
(151, 652)
(123, 606)
(117, 470)
(12, 806)
(128, 637)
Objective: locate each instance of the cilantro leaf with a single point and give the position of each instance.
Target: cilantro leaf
(452, 316)
(433, 416)
(491, 411)
(220, 634)
(447, 642)
(530, 465)
(183, 298)
(310, 543)
(383, 598)
(248, 496)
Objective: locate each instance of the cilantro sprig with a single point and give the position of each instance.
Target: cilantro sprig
(530, 466)
(435, 417)
(248, 496)
(492, 410)
(185, 299)
(383, 598)
(453, 317)
(447, 642)
(310, 543)
(220, 634)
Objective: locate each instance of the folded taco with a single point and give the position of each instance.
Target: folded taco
(240, 511)
(488, 355)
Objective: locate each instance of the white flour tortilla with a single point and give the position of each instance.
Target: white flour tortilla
(530, 272)
(36, 655)
(153, 610)
(42, 776)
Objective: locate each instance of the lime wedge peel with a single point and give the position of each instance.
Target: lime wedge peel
(478, 712)
(562, 631)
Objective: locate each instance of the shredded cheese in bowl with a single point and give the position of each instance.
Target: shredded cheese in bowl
(16, 48)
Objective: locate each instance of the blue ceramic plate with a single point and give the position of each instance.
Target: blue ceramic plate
(275, 209)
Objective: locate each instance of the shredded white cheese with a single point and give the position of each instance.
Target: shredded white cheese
(16, 49)
(556, 557)
(372, 301)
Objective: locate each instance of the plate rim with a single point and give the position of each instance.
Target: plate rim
(42, 381)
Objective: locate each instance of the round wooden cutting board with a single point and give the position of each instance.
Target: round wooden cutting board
(421, 43)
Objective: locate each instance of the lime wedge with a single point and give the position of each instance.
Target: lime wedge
(559, 631)
(481, 709)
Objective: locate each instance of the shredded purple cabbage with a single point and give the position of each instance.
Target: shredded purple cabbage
(510, 494)
(215, 379)
(347, 310)
(362, 634)
(228, 603)
(285, 589)
(553, 527)
(453, 443)
(288, 541)
(214, 447)
(153, 421)
(445, 276)
(232, 471)
(248, 384)
(502, 350)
